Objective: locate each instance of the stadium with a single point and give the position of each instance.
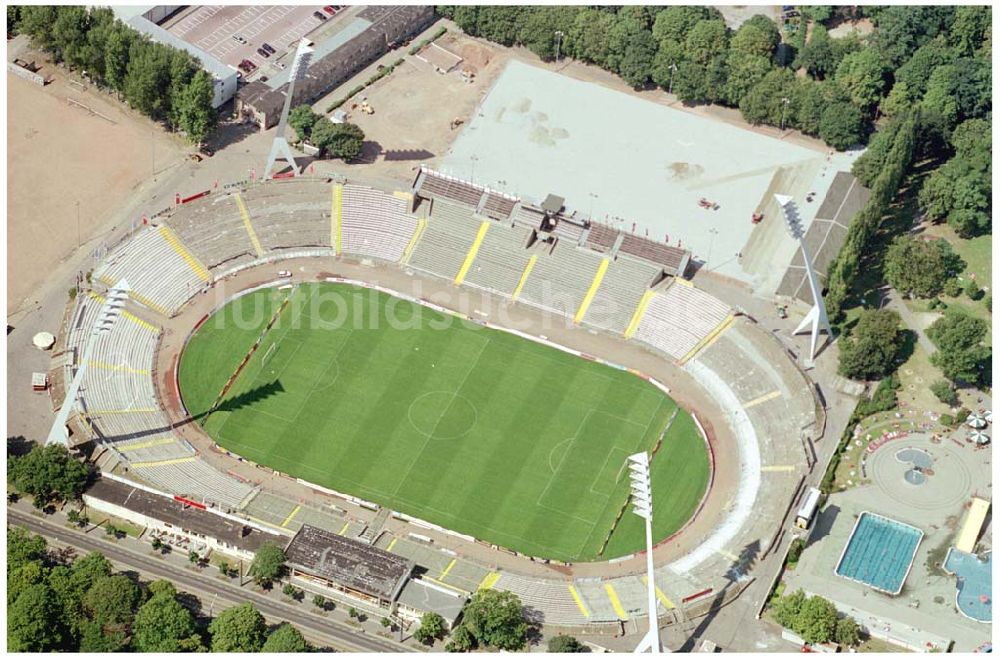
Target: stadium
(461, 361)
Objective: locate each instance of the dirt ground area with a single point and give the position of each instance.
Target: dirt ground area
(60, 157)
(414, 107)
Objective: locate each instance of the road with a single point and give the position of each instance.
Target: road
(317, 629)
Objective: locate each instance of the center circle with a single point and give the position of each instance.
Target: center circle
(442, 414)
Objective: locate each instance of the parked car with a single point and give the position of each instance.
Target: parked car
(268, 48)
(281, 65)
(330, 10)
(263, 53)
(319, 15)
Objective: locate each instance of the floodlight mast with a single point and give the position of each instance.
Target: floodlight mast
(109, 313)
(280, 148)
(642, 505)
(816, 317)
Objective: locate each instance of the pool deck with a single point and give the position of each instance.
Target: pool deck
(923, 613)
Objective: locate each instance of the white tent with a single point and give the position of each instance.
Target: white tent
(980, 437)
(976, 421)
(43, 340)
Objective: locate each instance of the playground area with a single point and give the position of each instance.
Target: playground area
(663, 172)
(53, 144)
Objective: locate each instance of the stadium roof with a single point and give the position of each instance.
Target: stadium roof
(165, 509)
(348, 562)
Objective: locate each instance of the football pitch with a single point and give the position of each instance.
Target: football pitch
(476, 430)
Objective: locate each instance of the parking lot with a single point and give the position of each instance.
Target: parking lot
(212, 28)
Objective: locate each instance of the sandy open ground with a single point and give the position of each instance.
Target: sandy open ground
(60, 155)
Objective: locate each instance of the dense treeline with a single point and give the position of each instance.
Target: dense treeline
(162, 82)
(56, 603)
(689, 51)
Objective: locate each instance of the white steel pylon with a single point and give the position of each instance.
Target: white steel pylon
(280, 147)
(816, 319)
(642, 505)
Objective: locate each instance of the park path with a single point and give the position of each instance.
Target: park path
(895, 302)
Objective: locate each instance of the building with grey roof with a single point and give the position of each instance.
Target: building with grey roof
(347, 565)
(388, 28)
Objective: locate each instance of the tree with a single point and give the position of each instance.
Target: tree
(342, 141)
(23, 547)
(432, 626)
(37, 22)
(707, 39)
(972, 290)
(116, 53)
(110, 605)
(841, 125)
(945, 392)
(285, 638)
(631, 50)
(88, 570)
(863, 75)
(757, 37)
(872, 349)
(495, 618)
(319, 602)
(787, 608)
(268, 563)
(745, 73)
(920, 268)
(163, 625)
(817, 620)
(970, 29)
(848, 633)
(819, 57)
(674, 23)
(302, 119)
(588, 37)
(238, 629)
(461, 640)
(34, 621)
(289, 590)
(195, 115)
(21, 578)
(562, 643)
(961, 355)
(48, 473)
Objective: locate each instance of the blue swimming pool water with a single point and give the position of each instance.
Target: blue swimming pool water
(975, 579)
(879, 552)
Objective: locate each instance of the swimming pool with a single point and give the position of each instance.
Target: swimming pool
(975, 583)
(879, 553)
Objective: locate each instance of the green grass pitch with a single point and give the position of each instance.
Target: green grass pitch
(474, 429)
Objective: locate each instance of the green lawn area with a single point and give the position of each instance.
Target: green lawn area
(477, 430)
(976, 252)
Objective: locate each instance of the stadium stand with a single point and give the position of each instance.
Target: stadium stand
(375, 224)
(549, 599)
(445, 242)
(673, 260)
(432, 185)
(213, 231)
(560, 280)
(194, 478)
(679, 318)
(161, 278)
(601, 238)
(290, 214)
(620, 292)
(501, 259)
